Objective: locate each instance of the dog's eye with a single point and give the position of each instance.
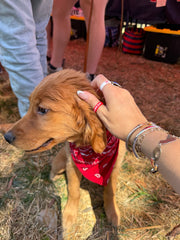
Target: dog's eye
(42, 110)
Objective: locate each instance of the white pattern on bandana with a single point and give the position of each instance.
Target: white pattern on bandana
(95, 166)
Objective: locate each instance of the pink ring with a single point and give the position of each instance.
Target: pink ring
(97, 106)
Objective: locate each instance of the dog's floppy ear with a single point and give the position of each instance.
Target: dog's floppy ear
(94, 132)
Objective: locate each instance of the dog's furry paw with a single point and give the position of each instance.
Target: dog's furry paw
(113, 216)
(69, 217)
(54, 176)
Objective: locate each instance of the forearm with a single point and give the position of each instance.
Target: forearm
(169, 165)
(169, 161)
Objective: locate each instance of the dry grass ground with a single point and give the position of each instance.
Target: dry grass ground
(31, 205)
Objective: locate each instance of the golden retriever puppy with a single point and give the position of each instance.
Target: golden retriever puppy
(56, 114)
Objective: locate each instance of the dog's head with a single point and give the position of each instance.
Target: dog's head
(56, 114)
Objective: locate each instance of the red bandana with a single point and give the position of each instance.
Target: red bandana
(96, 167)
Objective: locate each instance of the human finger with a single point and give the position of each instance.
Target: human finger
(109, 89)
(96, 105)
(98, 81)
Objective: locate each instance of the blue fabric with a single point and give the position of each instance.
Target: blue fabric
(23, 45)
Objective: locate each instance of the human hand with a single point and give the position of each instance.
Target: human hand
(120, 114)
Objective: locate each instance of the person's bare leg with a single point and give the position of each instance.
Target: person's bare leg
(49, 38)
(97, 31)
(61, 29)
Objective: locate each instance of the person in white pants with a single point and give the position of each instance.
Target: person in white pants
(23, 45)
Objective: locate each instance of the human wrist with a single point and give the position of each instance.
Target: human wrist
(133, 136)
(151, 141)
(143, 139)
(147, 141)
(134, 133)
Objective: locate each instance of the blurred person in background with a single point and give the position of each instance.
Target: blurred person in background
(23, 45)
(62, 27)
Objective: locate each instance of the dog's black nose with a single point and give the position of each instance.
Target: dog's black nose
(9, 137)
